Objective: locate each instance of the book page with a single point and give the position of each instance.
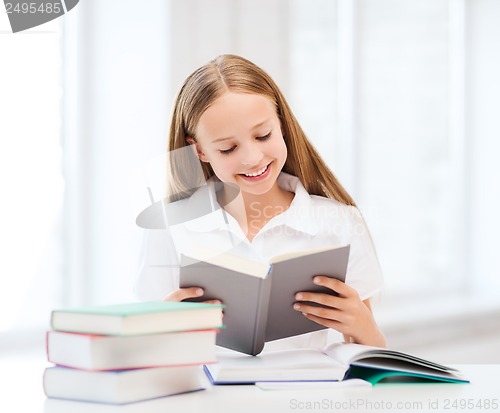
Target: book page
(227, 260)
(284, 365)
(402, 365)
(279, 359)
(383, 358)
(346, 353)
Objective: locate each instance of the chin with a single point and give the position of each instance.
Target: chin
(258, 190)
(253, 191)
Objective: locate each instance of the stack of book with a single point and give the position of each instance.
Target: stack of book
(130, 352)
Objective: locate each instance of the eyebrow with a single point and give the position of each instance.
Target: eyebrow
(258, 125)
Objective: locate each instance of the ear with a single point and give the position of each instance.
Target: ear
(197, 149)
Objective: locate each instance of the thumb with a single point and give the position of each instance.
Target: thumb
(183, 294)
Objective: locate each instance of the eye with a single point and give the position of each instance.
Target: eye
(227, 151)
(264, 138)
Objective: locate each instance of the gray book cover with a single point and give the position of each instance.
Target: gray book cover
(261, 309)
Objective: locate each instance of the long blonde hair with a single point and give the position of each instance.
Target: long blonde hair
(234, 73)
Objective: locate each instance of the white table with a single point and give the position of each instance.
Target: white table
(22, 392)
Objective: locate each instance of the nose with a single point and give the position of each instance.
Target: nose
(251, 155)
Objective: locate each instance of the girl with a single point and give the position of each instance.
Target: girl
(239, 125)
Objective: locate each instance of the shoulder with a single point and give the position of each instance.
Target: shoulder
(332, 206)
(323, 202)
(324, 216)
(314, 202)
(330, 212)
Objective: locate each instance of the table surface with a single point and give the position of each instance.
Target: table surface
(21, 380)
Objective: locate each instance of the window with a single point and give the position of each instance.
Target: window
(31, 175)
(378, 87)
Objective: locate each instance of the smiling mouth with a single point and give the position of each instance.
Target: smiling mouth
(257, 173)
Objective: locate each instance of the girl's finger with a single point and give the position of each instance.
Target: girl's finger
(336, 325)
(338, 286)
(184, 293)
(327, 313)
(213, 302)
(328, 300)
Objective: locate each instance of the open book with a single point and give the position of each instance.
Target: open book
(339, 361)
(259, 297)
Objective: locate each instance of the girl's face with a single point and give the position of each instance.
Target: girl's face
(240, 136)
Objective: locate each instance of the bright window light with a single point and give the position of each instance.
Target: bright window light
(30, 171)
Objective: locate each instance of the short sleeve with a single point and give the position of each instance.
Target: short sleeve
(363, 271)
(158, 272)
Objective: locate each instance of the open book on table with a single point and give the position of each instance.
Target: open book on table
(338, 361)
(259, 297)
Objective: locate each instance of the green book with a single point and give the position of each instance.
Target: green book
(138, 318)
(376, 375)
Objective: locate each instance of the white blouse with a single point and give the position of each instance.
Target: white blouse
(311, 221)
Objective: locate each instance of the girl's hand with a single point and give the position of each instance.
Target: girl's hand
(345, 313)
(182, 294)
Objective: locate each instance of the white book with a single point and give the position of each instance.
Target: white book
(122, 386)
(99, 352)
(337, 362)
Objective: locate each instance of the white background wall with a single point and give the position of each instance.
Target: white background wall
(386, 89)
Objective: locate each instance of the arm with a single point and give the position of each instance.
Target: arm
(158, 276)
(345, 313)
(158, 271)
(379, 341)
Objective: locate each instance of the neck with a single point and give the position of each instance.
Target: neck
(276, 201)
(253, 211)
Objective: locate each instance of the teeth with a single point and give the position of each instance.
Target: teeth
(258, 172)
